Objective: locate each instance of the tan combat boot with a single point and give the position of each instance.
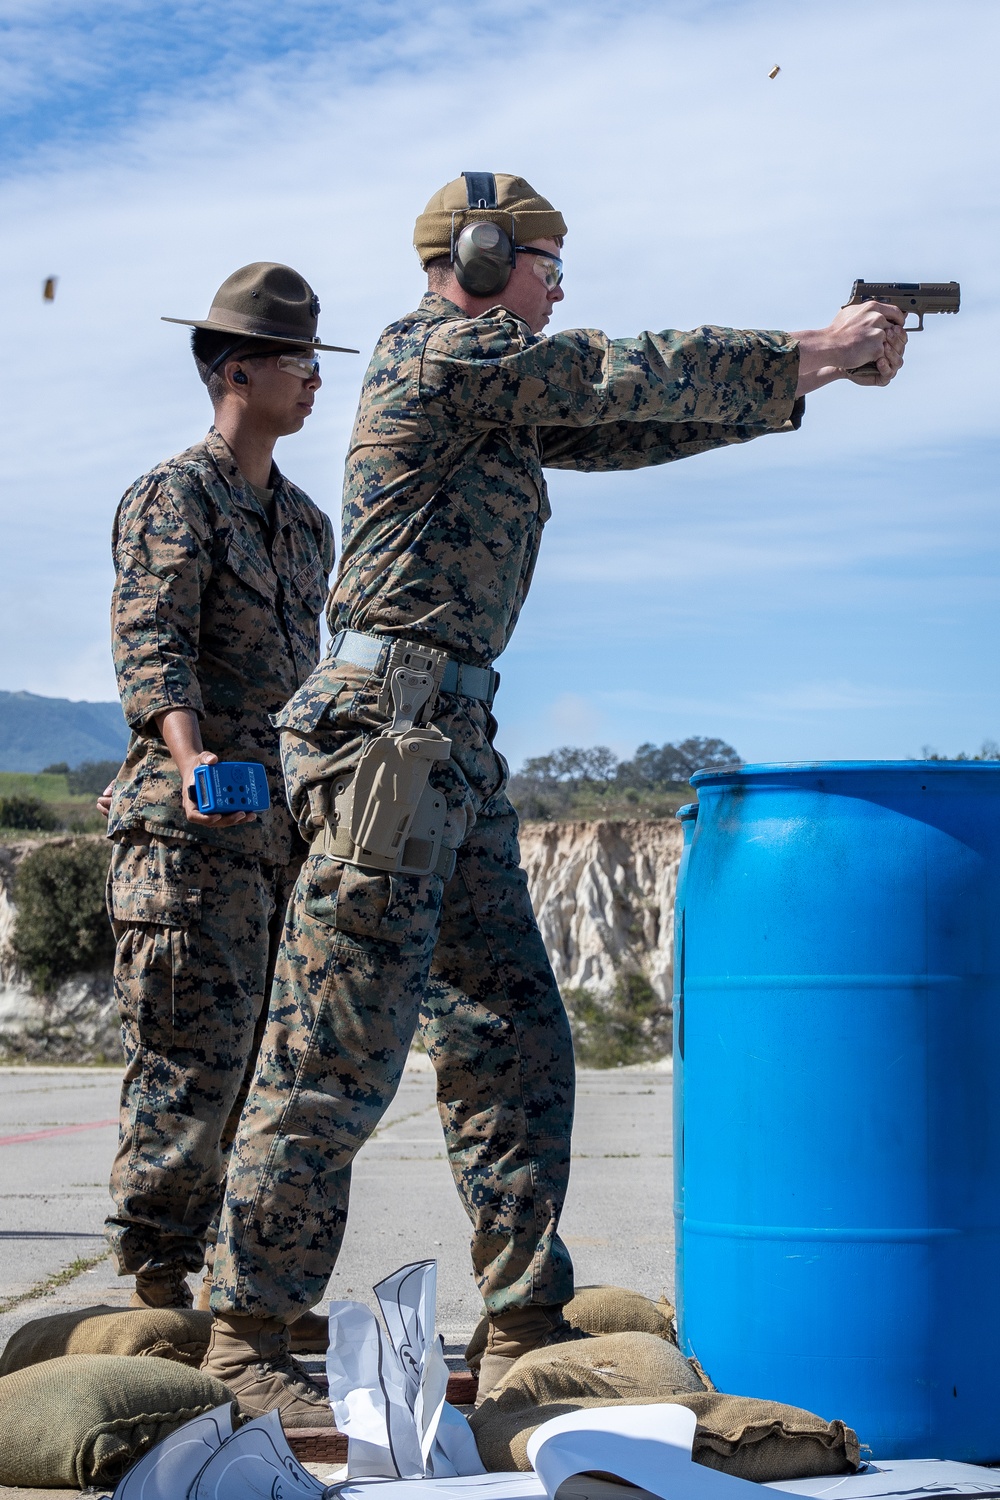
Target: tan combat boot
(517, 1332)
(165, 1287)
(308, 1334)
(251, 1357)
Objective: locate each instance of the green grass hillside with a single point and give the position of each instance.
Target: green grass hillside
(35, 803)
(41, 784)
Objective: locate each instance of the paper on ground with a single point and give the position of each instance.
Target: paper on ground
(256, 1463)
(388, 1395)
(901, 1478)
(206, 1460)
(167, 1471)
(515, 1486)
(647, 1446)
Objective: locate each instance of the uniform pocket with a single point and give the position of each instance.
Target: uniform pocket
(358, 903)
(251, 571)
(155, 883)
(329, 692)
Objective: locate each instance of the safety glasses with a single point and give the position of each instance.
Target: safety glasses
(299, 365)
(548, 267)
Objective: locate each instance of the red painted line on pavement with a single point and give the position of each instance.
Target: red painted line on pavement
(37, 1135)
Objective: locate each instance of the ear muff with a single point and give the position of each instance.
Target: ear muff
(482, 254)
(239, 378)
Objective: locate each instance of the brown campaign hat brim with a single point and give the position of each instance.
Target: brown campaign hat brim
(251, 332)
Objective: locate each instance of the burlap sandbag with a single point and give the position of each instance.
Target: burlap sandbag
(612, 1367)
(168, 1332)
(758, 1440)
(599, 1309)
(84, 1418)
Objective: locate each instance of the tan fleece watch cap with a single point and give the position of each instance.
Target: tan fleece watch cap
(534, 217)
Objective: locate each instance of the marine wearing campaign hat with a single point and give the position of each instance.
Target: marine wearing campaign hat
(266, 301)
(221, 568)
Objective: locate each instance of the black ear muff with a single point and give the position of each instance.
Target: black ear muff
(482, 258)
(239, 378)
(482, 255)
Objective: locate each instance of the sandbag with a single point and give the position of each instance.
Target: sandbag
(759, 1440)
(611, 1367)
(166, 1332)
(82, 1419)
(599, 1309)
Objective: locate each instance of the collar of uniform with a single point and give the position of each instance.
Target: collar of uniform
(241, 491)
(433, 305)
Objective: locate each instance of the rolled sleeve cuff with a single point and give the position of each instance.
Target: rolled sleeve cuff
(143, 700)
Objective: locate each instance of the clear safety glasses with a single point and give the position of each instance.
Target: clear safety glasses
(547, 267)
(300, 365)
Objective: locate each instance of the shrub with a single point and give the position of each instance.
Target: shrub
(62, 926)
(631, 1025)
(27, 813)
(92, 777)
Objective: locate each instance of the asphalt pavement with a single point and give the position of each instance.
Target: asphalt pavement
(57, 1140)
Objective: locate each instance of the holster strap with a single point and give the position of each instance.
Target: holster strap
(371, 651)
(337, 843)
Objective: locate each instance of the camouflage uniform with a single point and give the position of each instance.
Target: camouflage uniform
(444, 507)
(211, 613)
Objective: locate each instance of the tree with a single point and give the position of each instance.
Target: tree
(62, 924)
(92, 777)
(675, 764)
(26, 813)
(571, 764)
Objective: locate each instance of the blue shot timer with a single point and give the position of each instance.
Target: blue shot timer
(231, 786)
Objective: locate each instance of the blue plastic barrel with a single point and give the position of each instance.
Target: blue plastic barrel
(686, 816)
(837, 1046)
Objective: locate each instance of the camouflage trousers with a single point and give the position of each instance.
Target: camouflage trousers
(197, 930)
(365, 958)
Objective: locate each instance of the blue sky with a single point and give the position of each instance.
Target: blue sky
(830, 593)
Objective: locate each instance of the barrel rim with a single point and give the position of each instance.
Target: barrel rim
(758, 770)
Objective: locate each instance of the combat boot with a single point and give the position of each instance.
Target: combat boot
(251, 1357)
(164, 1287)
(518, 1332)
(308, 1334)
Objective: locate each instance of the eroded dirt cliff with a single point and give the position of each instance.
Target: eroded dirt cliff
(603, 893)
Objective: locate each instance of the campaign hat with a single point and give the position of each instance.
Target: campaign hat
(266, 301)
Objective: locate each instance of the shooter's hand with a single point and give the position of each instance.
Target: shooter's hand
(860, 334)
(886, 364)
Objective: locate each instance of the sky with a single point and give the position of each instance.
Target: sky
(819, 595)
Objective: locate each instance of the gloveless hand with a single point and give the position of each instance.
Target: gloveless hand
(182, 736)
(865, 333)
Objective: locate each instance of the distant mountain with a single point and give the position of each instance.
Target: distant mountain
(36, 732)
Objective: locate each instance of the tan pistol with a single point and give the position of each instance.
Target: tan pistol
(918, 297)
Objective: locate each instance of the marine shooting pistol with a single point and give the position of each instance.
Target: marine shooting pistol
(917, 297)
